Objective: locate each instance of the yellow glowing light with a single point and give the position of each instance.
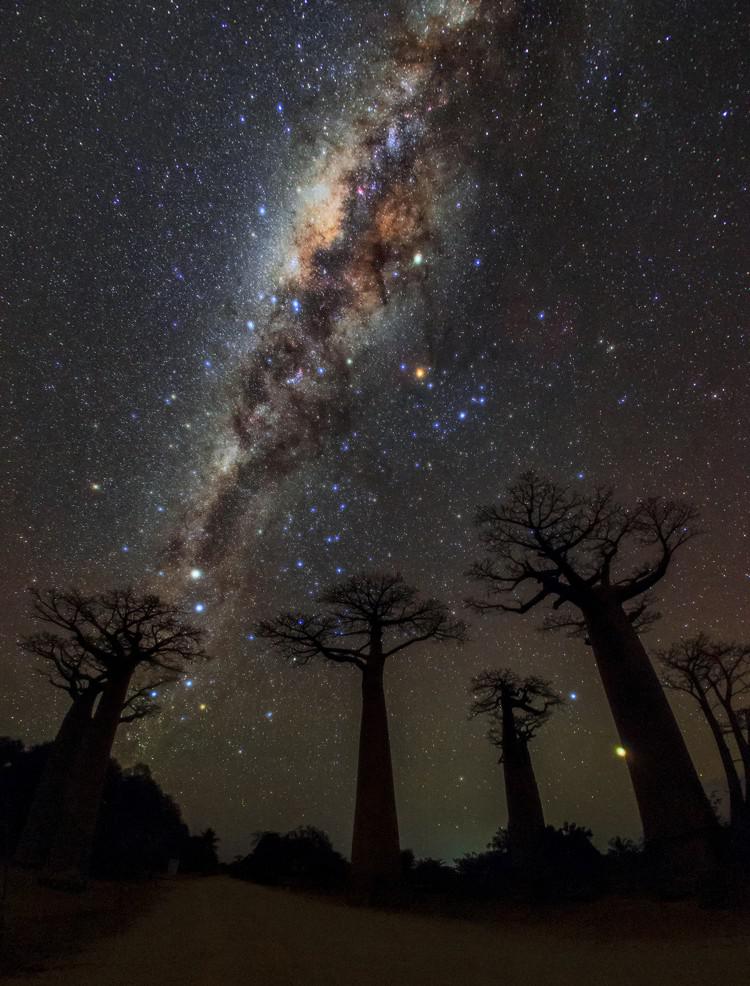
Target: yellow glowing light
(417, 259)
(420, 373)
(621, 751)
(203, 706)
(96, 487)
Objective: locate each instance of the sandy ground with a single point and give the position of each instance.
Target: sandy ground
(216, 931)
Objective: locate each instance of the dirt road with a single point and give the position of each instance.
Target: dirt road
(220, 931)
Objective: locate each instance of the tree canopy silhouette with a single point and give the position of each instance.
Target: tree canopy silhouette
(363, 621)
(303, 857)
(110, 652)
(517, 709)
(139, 828)
(595, 559)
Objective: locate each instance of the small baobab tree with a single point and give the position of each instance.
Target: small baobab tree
(716, 674)
(110, 652)
(517, 709)
(364, 621)
(594, 560)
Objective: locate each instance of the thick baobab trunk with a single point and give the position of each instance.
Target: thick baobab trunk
(46, 816)
(72, 853)
(525, 815)
(376, 856)
(675, 812)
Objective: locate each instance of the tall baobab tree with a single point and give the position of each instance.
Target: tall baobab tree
(109, 652)
(595, 559)
(363, 622)
(716, 675)
(517, 709)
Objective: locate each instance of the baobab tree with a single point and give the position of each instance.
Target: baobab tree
(716, 675)
(110, 653)
(517, 709)
(595, 559)
(364, 621)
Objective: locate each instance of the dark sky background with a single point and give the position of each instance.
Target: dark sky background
(288, 288)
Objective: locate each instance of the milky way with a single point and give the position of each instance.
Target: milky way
(361, 238)
(290, 286)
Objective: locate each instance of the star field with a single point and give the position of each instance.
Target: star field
(289, 288)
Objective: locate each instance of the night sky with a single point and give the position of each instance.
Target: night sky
(289, 288)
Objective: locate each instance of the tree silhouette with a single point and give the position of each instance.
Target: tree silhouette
(303, 857)
(517, 708)
(363, 621)
(139, 826)
(594, 559)
(110, 653)
(200, 853)
(716, 675)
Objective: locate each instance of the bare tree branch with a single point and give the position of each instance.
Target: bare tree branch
(546, 542)
(363, 618)
(501, 693)
(109, 635)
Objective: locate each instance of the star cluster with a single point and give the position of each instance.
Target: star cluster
(290, 287)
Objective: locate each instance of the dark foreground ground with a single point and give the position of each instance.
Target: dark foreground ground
(218, 931)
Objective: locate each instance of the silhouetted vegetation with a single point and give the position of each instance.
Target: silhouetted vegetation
(68, 809)
(716, 674)
(595, 561)
(364, 621)
(563, 865)
(517, 709)
(303, 857)
(199, 853)
(110, 653)
(139, 828)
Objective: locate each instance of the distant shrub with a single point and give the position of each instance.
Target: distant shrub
(303, 857)
(433, 876)
(199, 854)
